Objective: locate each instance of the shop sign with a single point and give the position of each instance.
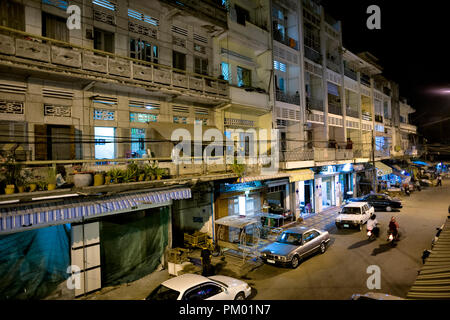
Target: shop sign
(240, 187)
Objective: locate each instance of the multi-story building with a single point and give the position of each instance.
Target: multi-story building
(117, 89)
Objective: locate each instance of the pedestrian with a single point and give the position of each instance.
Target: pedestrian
(439, 181)
(206, 262)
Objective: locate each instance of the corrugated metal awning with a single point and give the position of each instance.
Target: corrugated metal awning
(433, 281)
(382, 169)
(301, 175)
(71, 210)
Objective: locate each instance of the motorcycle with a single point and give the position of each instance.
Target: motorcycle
(391, 239)
(371, 235)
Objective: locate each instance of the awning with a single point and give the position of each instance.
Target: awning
(72, 210)
(433, 281)
(301, 175)
(421, 163)
(263, 177)
(382, 169)
(333, 89)
(165, 130)
(405, 179)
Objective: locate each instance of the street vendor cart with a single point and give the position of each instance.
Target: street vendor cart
(239, 236)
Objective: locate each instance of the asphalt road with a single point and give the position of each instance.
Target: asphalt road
(342, 270)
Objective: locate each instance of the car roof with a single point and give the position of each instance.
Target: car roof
(355, 204)
(300, 230)
(185, 281)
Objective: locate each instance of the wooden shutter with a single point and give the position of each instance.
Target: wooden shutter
(40, 141)
(12, 15)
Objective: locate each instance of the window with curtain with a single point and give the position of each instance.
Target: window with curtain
(54, 27)
(244, 77)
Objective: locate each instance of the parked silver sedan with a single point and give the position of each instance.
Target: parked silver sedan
(295, 244)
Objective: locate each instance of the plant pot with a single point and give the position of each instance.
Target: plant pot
(99, 179)
(51, 186)
(33, 187)
(108, 180)
(158, 177)
(10, 189)
(141, 177)
(21, 189)
(82, 180)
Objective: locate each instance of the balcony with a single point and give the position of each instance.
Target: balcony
(292, 43)
(379, 118)
(350, 73)
(288, 98)
(324, 154)
(352, 113)
(249, 97)
(314, 104)
(313, 55)
(302, 154)
(253, 35)
(335, 108)
(383, 153)
(31, 52)
(365, 154)
(408, 128)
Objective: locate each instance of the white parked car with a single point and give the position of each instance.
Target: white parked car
(354, 214)
(197, 287)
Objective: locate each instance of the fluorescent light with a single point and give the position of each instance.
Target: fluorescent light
(56, 197)
(9, 201)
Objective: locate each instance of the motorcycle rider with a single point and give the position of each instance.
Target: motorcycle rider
(393, 228)
(372, 225)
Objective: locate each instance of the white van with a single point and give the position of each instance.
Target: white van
(354, 214)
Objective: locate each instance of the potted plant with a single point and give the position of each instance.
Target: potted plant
(238, 168)
(159, 172)
(131, 174)
(23, 180)
(149, 170)
(116, 175)
(32, 185)
(42, 185)
(51, 179)
(99, 178)
(81, 178)
(11, 171)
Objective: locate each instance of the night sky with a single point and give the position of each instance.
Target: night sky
(413, 46)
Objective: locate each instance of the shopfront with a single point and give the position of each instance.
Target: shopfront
(364, 174)
(303, 183)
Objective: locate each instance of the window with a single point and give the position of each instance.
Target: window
(143, 50)
(279, 66)
(178, 119)
(12, 15)
(241, 15)
(143, 117)
(308, 236)
(178, 60)
(103, 40)
(244, 77)
(225, 68)
(137, 142)
(104, 143)
(54, 27)
(203, 292)
(201, 121)
(200, 65)
(142, 17)
(281, 85)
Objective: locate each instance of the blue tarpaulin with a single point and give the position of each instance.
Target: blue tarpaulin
(33, 263)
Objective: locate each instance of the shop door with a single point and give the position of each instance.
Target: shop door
(85, 256)
(133, 244)
(61, 142)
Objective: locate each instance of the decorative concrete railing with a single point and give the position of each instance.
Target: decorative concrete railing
(297, 155)
(27, 50)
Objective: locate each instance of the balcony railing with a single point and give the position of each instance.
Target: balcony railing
(351, 74)
(334, 108)
(21, 49)
(365, 80)
(324, 154)
(288, 98)
(352, 113)
(313, 55)
(332, 65)
(344, 154)
(358, 153)
(297, 155)
(366, 116)
(292, 43)
(314, 104)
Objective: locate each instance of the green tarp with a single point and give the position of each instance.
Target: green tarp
(132, 244)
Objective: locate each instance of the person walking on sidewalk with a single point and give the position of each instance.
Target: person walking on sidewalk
(206, 262)
(439, 181)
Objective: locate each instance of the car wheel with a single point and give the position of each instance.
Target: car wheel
(323, 247)
(240, 296)
(388, 209)
(295, 262)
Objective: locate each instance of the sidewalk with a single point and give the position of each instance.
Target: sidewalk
(323, 220)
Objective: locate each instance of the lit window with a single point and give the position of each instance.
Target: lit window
(177, 119)
(143, 117)
(105, 4)
(225, 67)
(142, 17)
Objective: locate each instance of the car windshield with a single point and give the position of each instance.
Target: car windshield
(163, 293)
(351, 210)
(289, 238)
